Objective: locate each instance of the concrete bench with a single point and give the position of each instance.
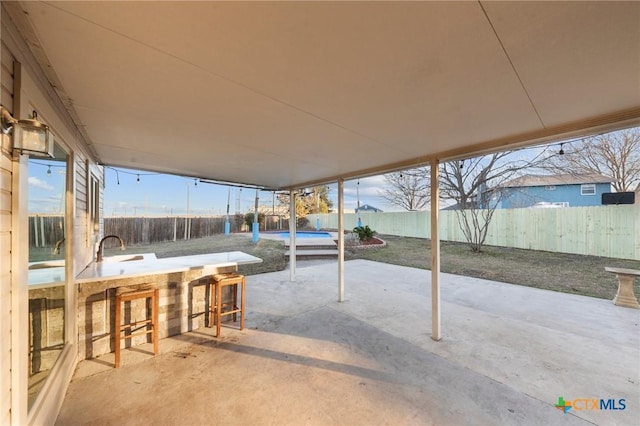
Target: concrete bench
(625, 295)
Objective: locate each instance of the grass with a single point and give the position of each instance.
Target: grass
(568, 273)
(271, 252)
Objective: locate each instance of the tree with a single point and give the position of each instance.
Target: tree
(474, 185)
(615, 155)
(250, 217)
(410, 189)
(314, 200)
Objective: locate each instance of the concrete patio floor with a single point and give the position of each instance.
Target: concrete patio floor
(507, 353)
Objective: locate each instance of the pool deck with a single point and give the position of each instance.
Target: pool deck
(507, 354)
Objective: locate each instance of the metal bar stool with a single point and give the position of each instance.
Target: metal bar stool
(150, 325)
(217, 306)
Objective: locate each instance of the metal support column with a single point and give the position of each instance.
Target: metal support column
(292, 235)
(435, 251)
(341, 240)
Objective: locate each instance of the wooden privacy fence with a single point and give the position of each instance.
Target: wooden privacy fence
(147, 230)
(46, 230)
(150, 230)
(608, 231)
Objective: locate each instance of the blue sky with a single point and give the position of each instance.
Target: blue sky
(142, 193)
(159, 194)
(46, 186)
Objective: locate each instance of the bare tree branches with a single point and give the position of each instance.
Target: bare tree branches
(475, 186)
(409, 189)
(615, 155)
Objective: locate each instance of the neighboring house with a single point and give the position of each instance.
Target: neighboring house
(469, 205)
(566, 190)
(368, 208)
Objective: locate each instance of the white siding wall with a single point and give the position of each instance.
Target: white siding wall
(80, 222)
(86, 236)
(34, 92)
(6, 98)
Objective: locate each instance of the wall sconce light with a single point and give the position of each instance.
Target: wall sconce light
(29, 135)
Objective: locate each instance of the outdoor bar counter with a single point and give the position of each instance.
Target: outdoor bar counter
(183, 283)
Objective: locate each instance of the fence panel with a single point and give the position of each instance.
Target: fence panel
(608, 231)
(45, 230)
(150, 230)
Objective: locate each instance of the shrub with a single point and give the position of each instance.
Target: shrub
(303, 222)
(238, 219)
(248, 219)
(364, 232)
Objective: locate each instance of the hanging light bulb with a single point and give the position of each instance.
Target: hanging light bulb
(138, 179)
(195, 182)
(49, 171)
(561, 152)
(462, 164)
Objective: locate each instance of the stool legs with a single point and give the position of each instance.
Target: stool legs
(235, 301)
(118, 329)
(155, 314)
(216, 306)
(153, 322)
(242, 286)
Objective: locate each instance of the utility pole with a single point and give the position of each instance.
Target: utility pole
(358, 199)
(227, 225)
(186, 218)
(256, 225)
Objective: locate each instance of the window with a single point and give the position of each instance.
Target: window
(588, 189)
(93, 203)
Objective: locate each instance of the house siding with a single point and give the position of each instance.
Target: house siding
(528, 196)
(6, 176)
(24, 86)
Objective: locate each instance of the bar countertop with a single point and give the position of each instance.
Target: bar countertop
(130, 266)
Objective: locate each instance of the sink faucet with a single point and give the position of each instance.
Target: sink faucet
(101, 246)
(56, 249)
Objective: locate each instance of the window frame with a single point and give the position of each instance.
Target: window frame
(586, 188)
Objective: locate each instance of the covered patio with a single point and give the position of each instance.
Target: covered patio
(283, 96)
(508, 352)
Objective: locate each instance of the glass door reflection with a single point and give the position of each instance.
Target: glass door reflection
(47, 250)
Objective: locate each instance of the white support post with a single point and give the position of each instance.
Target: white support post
(435, 251)
(292, 235)
(341, 240)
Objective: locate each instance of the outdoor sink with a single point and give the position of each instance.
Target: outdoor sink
(47, 264)
(123, 258)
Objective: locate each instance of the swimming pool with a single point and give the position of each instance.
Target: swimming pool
(303, 234)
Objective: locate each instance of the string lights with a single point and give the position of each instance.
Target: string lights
(140, 175)
(48, 166)
(126, 172)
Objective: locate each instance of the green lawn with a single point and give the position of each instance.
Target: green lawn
(563, 272)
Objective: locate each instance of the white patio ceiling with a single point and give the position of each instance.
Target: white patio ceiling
(287, 94)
